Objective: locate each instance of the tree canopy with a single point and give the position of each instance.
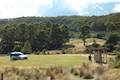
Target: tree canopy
(34, 36)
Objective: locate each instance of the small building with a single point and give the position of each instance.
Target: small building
(100, 55)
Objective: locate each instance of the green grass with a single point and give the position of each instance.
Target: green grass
(45, 61)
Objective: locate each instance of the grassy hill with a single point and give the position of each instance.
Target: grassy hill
(76, 46)
(72, 22)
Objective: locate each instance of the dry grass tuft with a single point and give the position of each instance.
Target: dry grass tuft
(13, 73)
(85, 71)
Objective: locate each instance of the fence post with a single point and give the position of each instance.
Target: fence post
(2, 76)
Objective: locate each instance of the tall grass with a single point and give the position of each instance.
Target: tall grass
(85, 71)
(96, 72)
(12, 73)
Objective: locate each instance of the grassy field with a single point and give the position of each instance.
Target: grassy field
(68, 60)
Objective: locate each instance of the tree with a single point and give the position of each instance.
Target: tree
(8, 38)
(17, 48)
(114, 38)
(58, 35)
(55, 36)
(112, 41)
(85, 30)
(27, 47)
(111, 27)
(36, 36)
(22, 32)
(97, 27)
(64, 33)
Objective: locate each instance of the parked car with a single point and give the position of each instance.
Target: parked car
(18, 56)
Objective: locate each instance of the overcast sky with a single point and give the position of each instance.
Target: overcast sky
(20, 8)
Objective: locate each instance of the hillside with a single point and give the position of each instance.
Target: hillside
(32, 34)
(74, 23)
(77, 46)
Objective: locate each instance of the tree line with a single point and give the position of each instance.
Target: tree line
(52, 32)
(33, 37)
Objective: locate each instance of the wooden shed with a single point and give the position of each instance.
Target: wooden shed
(100, 55)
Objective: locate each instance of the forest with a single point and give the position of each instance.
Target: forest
(30, 34)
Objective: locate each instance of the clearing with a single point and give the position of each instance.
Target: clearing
(66, 60)
(75, 46)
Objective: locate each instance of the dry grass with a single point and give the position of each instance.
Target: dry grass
(78, 44)
(99, 41)
(97, 72)
(13, 73)
(84, 71)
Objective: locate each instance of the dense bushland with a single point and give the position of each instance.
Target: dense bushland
(33, 37)
(52, 32)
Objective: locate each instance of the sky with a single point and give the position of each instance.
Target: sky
(24, 8)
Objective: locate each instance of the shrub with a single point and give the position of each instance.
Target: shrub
(87, 71)
(100, 70)
(17, 48)
(63, 51)
(101, 35)
(76, 71)
(27, 47)
(84, 71)
(115, 62)
(110, 47)
(44, 51)
(112, 41)
(88, 75)
(91, 47)
(118, 46)
(37, 53)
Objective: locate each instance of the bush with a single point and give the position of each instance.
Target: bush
(90, 47)
(101, 35)
(44, 51)
(63, 51)
(115, 62)
(27, 48)
(110, 47)
(114, 38)
(112, 41)
(88, 75)
(37, 53)
(84, 71)
(118, 46)
(17, 48)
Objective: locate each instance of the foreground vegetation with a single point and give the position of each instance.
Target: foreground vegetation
(84, 71)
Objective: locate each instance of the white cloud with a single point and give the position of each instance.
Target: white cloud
(77, 5)
(117, 8)
(97, 6)
(100, 8)
(17, 8)
(80, 5)
(102, 1)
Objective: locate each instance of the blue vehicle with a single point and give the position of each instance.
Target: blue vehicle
(18, 56)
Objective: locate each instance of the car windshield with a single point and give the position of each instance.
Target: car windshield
(16, 54)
